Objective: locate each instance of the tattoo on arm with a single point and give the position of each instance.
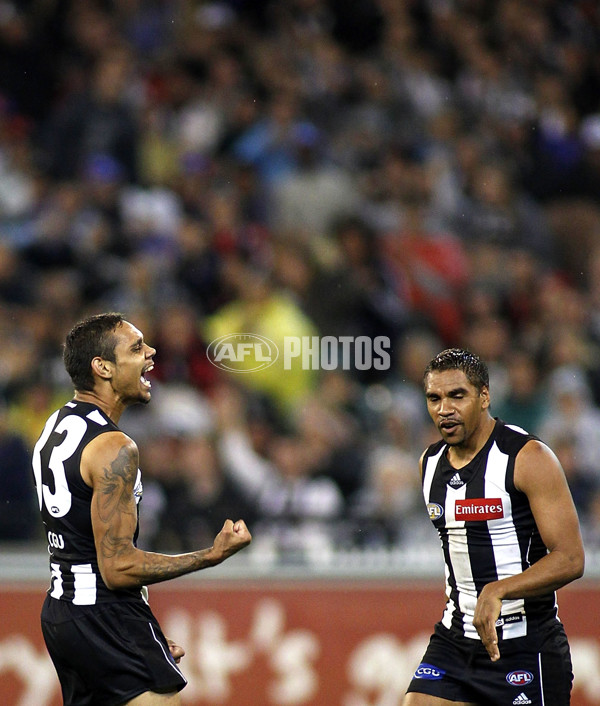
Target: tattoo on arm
(116, 514)
(161, 567)
(115, 503)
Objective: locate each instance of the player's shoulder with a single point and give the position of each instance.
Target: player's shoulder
(109, 454)
(113, 440)
(511, 438)
(433, 450)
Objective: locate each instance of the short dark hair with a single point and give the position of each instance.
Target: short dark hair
(459, 359)
(89, 338)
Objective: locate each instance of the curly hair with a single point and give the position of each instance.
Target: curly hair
(459, 359)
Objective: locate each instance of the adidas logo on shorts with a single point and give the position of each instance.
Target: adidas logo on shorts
(456, 481)
(521, 700)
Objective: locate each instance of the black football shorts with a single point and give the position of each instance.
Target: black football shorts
(528, 673)
(109, 653)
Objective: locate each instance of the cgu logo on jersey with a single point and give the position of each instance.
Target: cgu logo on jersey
(477, 509)
(56, 540)
(242, 352)
(435, 511)
(428, 671)
(519, 677)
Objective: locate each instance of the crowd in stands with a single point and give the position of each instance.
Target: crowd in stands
(423, 170)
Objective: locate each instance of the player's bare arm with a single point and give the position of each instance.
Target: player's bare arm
(110, 466)
(539, 475)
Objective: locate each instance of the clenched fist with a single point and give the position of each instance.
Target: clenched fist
(232, 537)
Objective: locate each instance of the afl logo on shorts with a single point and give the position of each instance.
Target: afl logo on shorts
(242, 352)
(428, 671)
(519, 677)
(435, 511)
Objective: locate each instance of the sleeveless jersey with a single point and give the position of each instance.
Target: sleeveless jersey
(487, 531)
(65, 504)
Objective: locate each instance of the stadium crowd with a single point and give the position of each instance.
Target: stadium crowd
(424, 170)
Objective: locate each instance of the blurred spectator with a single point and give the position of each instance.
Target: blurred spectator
(489, 337)
(397, 413)
(139, 286)
(27, 72)
(296, 503)
(198, 266)
(571, 411)
(330, 432)
(260, 308)
(246, 431)
(591, 524)
(17, 284)
(178, 410)
(330, 295)
(381, 307)
(156, 455)
(584, 183)
(524, 403)
(583, 486)
(495, 211)
(432, 268)
(309, 199)
(19, 180)
(389, 500)
(203, 496)
(270, 142)
(351, 295)
(161, 479)
(103, 187)
(95, 121)
(30, 407)
(19, 516)
(298, 509)
(557, 143)
(181, 356)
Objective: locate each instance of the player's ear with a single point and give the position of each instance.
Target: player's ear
(102, 368)
(485, 397)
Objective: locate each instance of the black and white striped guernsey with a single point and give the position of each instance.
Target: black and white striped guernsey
(487, 531)
(65, 503)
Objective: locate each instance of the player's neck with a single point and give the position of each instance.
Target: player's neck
(112, 408)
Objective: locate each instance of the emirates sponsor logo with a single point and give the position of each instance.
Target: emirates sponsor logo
(478, 509)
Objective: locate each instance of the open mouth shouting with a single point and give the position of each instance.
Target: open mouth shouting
(145, 382)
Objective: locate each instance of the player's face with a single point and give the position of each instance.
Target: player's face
(455, 405)
(133, 361)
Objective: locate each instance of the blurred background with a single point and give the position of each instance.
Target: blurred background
(424, 170)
